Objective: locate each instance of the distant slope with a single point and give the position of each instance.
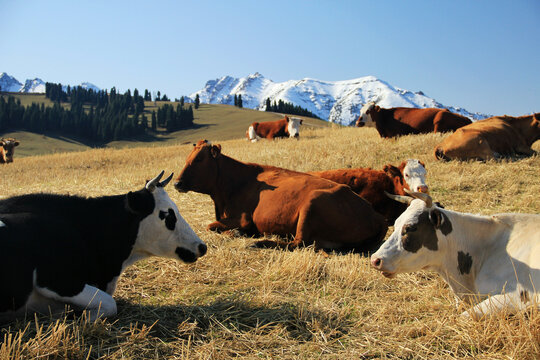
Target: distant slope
(337, 101)
(212, 122)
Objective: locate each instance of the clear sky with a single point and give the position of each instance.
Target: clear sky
(483, 55)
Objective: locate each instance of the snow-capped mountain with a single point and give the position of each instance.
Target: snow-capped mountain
(33, 86)
(337, 101)
(10, 84)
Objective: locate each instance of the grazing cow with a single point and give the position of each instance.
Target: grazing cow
(258, 199)
(7, 148)
(286, 127)
(371, 184)
(402, 121)
(62, 250)
(491, 138)
(491, 262)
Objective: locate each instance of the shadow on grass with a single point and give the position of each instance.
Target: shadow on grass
(229, 316)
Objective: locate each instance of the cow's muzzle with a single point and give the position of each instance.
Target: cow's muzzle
(189, 256)
(180, 186)
(359, 124)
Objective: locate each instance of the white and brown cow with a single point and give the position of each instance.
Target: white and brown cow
(7, 149)
(286, 127)
(491, 262)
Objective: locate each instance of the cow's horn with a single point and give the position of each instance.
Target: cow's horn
(418, 195)
(166, 181)
(151, 185)
(400, 198)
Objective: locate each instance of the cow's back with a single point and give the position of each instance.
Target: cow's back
(480, 139)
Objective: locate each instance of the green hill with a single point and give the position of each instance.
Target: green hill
(212, 122)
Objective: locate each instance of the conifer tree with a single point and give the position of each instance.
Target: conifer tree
(240, 101)
(197, 101)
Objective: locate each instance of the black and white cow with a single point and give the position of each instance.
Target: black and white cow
(491, 262)
(58, 250)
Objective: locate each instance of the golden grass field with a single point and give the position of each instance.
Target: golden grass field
(271, 304)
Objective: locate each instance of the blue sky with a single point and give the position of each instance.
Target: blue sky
(480, 55)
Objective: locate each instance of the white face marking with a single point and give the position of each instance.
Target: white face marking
(365, 118)
(252, 134)
(155, 238)
(414, 174)
(395, 259)
(293, 127)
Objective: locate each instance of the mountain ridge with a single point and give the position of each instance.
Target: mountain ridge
(337, 101)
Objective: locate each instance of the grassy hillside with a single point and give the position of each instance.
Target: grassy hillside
(250, 303)
(213, 122)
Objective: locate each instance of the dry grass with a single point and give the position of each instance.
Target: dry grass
(250, 303)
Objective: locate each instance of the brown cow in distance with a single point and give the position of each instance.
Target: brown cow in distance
(7, 149)
(492, 138)
(259, 199)
(371, 184)
(286, 127)
(403, 121)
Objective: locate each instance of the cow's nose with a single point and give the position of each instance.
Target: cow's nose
(359, 124)
(376, 262)
(423, 189)
(178, 185)
(202, 249)
(296, 135)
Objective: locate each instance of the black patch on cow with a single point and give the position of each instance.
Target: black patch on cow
(170, 218)
(524, 296)
(414, 236)
(464, 262)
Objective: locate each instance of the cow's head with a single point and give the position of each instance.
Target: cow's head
(162, 230)
(293, 126)
(419, 234)
(201, 170)
(8, 146)
(414, 173)
(365, 118)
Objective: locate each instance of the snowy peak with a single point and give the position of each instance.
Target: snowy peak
(337, 101)
(33, 86)
(10, 84)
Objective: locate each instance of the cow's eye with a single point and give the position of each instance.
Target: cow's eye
(169, 217)
(408, 229)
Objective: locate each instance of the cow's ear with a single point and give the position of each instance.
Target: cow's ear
(301, 120)
(215, 150)
(16, 143)
(435, 217)
(392, 171)
(139, 202)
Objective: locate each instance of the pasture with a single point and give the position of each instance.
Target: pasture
(253, 303)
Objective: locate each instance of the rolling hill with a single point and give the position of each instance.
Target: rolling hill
(212, 122)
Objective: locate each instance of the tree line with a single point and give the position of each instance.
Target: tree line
(288, 108)
(99, 116)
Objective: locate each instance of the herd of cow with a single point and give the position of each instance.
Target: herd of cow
(60, 250)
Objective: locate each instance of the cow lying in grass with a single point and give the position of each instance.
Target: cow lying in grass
(492, 262)
(492, 138)
(286, 127)
(259, 199)
(59, 250)
(7, 149)
(371, 184)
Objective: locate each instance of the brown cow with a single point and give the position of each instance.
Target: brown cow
(491, 138)
(274, 129)
(7, 149)
(402, 121)
(259, 199)
(371, 184)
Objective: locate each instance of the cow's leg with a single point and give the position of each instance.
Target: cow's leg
(97, 302)
(511, 302)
